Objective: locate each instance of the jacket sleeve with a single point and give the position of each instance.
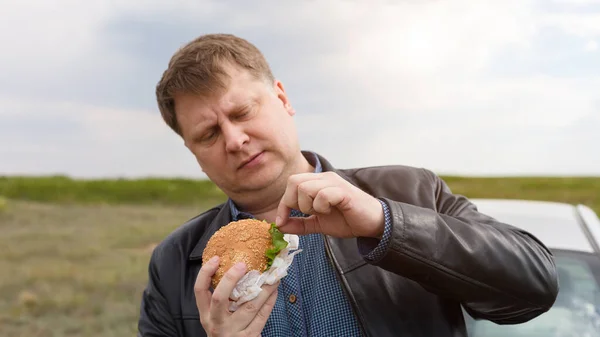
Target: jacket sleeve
(155, 319)
(496, 271)
(373, 249)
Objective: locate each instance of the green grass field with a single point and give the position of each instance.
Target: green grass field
(74, 253)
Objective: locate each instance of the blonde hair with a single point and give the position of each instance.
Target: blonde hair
(198, 68)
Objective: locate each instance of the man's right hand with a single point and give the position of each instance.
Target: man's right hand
(216, 319)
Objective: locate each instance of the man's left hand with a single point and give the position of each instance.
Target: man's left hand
(335, 206)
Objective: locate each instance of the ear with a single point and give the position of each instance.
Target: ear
(280, 92)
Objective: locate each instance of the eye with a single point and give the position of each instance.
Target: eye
(244, 113)
(207, 136)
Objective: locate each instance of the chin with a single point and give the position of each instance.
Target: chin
(262, 179)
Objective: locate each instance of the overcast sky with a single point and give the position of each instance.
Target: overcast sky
(460, 87)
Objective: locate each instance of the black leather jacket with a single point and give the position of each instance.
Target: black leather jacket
(442, 254)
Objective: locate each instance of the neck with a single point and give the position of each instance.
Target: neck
(263, 203)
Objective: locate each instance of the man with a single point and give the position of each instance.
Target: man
(387, 251)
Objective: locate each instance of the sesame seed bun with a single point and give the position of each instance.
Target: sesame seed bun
(239, 241)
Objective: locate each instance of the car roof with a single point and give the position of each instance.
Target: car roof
(556, 224)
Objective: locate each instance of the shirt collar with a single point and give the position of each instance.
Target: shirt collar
(312, 158)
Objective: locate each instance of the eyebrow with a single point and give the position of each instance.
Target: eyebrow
(205, 126)
(251, 101)
(239, 108)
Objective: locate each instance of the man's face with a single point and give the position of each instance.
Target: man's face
(245, 139)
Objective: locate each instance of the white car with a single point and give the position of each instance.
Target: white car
(572, 232)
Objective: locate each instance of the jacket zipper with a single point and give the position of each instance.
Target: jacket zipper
(345, 286)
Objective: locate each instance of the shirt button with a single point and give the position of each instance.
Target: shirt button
(292, 298)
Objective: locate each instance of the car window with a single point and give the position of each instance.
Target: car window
(576, 312)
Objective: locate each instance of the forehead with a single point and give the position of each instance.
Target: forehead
(241, 89)
(189, 105)
(240, 84)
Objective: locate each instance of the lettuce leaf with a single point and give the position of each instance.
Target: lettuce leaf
(278, 244)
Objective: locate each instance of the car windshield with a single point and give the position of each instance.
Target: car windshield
(576, 312)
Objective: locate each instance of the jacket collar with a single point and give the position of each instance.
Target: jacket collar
(222, 218)
(344, 251)
(326, 166)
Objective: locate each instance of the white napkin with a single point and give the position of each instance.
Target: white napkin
(250, 285)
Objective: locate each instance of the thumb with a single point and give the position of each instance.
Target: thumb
(300, 226)
(283, 214)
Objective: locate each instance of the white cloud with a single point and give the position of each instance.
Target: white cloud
(387, 82)
(45, 34)
(577, 2)
(424, 72)
(591, 46)
(430, 56)
(91, 141)
(578, 24)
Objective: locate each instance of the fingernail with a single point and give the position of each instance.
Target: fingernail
(278, 221)
(240, 266)
(213, 259)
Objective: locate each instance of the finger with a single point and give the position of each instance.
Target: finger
(220, 297)
(248, 311)
(301, 226)
(283, 214)
(329, 197)
(258, 323)
(308, 190)
(202, 285)
(290, 196)
(289, 199)
(305, 201)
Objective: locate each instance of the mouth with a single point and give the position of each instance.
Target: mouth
(249, 160)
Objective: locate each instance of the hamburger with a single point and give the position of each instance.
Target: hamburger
(265, 250)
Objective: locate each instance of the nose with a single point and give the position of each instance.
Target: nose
(235, 137)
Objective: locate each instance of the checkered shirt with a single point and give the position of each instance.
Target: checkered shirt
(311, 301)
